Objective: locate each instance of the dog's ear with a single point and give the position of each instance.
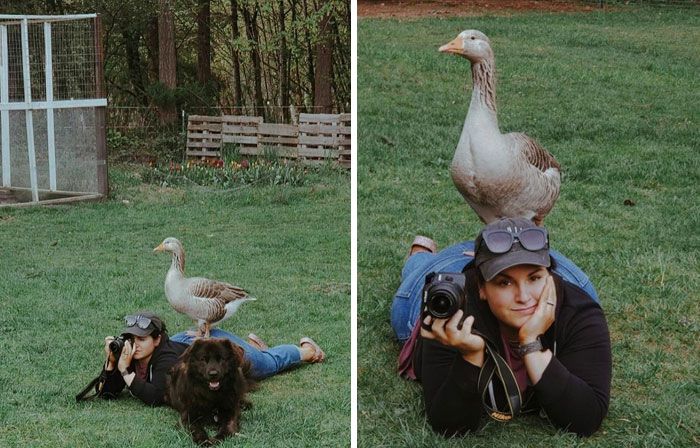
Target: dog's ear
(193, 348)
(234, 351)
(243, 365)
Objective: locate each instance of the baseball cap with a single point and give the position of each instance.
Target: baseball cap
(510, 242)
(142, 324)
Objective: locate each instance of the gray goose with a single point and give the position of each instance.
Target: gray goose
(206, 301)
(499, 175)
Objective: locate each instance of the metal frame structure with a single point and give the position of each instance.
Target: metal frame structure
(50, 105)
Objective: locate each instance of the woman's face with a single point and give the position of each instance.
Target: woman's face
(145, 345)
(513, 294)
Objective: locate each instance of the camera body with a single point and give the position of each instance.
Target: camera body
(117, 345)
(444, 293)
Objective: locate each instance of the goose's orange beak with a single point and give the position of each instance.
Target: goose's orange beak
(454, 46)
(159, 248)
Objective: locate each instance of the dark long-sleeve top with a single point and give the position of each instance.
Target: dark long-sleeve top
(574, 390)
(151, 390)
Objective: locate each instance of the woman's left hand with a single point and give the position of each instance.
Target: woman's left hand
(543, 317)
(126, 356)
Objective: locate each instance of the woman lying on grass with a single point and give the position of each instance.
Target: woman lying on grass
(531, 315)
(148, 354)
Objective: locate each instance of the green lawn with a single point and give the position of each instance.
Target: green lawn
(615, 97)
(70, 273)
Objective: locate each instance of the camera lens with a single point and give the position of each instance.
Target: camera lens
(444, 294)
(116, 346)
(441, 304)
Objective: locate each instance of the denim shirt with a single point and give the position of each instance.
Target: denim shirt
(407, 301)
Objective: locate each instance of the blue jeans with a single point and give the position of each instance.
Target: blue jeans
(407, 302)
(264, 363)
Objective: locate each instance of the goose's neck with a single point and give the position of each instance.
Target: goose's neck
(482, 109)
(178, 262)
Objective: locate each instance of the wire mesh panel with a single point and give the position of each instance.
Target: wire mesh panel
(52, 110)
(80, 157)
(74, 60)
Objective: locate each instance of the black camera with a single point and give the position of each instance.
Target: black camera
(117, 345)
(444, 293)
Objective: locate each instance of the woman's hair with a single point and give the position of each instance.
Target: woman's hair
(163, 329)
(474, 279)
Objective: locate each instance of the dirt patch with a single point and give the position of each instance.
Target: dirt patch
(405, 9)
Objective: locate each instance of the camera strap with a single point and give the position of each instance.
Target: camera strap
(98, 383)
(495, 367)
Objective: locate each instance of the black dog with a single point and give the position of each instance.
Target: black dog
(208, 386)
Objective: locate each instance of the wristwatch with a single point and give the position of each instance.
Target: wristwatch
(535, 346)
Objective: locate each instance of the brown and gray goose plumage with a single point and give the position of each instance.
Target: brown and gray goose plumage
(206, 301)
(499, 175)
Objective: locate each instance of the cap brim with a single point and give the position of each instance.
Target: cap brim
(491, 268)
(136, 331)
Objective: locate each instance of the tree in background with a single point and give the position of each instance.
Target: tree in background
(167, 62)
(323, 82)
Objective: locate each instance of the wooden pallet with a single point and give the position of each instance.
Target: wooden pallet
(241, 130)
(203, 136)
(317, 138)
(344, 140)
(283, 139)
(323, 136)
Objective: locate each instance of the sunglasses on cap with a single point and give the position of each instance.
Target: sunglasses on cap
(140, 321)
(500, 241)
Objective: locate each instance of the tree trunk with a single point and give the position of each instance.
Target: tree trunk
(298, 96)
(167, 61)
(283, 66)
(152, 47)
(323, 92)
(309, 55)
(133, 63)
(204, 41)
(237, 89)
(251, 28)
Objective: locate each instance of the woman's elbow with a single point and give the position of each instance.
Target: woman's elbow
(154, 401)
(449, 428)
(584, 427)
(586, 430)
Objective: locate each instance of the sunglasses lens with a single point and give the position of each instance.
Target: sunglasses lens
(139, 321)
(143, 322)
(533, 239)
(499, 242)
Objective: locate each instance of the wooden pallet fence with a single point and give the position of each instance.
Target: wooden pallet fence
(317, 138)
(241, 130)
(344, 140)
(282, 138)
(203, 136)
(323, 136)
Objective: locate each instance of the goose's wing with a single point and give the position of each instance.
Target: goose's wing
(534, 153)
(205, 288)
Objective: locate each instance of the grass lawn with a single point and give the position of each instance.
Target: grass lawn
(614, 96)
(70, 273)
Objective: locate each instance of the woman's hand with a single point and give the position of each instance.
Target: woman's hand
(447, 332)
(543, 317)
(126, 356)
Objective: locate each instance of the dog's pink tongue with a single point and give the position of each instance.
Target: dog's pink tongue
(214, 385)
